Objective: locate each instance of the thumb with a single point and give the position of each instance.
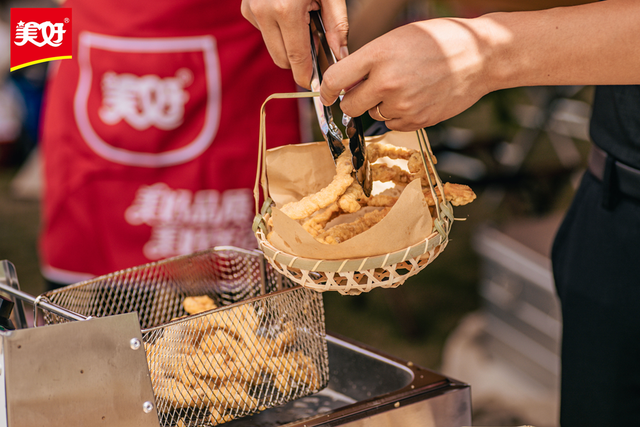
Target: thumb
(336, 25)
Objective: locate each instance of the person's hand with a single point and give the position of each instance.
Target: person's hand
(414, 76)
(285, 29)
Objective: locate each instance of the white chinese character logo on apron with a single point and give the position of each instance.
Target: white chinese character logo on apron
(144, 101)
(183, 222)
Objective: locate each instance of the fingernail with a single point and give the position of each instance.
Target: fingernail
(344, 52)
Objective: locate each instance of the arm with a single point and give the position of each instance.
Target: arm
(429, 71)
(285, 29)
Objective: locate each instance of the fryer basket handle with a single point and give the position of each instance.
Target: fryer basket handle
(39, 301)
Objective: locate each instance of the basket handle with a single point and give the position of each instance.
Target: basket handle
(261, 174)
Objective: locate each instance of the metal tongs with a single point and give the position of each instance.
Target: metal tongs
(330, 131)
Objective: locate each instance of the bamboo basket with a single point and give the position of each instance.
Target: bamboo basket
(354, 275)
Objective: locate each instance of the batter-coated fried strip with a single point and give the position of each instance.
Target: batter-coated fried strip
(315, 225)
(287, 337)
(323, 198)
(382, 201)
(343, 232)
(204, 364)
(179, 395)
(309, 370)
(352, 199)
(457, 194)
(416, 167)
(384, 173)
(377, 150)
(198, 304)
(231, 395)
(218, 417)
(240, 321)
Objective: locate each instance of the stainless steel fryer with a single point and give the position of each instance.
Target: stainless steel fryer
(366, 387)
(258, 342)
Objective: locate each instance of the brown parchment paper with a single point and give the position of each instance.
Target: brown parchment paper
(295, 171)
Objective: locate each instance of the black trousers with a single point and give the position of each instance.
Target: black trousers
(596, 266)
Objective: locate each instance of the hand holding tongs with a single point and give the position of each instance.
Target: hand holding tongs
(353, 125)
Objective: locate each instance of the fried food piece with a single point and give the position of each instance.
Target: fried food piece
(218, 417)
(457, 194)
(377, 150)
(297, 367)
(287, 337)
(416, 167)
(315, 225)
(219, 342)
(384, 173)
(231, 395)
(240, 322)
(210, 365)
(198, 304)
(283, 384)
(343, 232)
(323, 198)
(178, 395)
(382, 200)
(308, 370)
(352, 199)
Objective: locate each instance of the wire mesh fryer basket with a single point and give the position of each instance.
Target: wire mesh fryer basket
(262, 347)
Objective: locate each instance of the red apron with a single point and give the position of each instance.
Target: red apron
(150, 134)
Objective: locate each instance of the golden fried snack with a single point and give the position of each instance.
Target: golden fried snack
(457, 194)
(377, 150)
(383, 173)
(352, 199)
(231, 395)
(178, 395)
(343, 232)
(297, 367)
(210, 365)
(309, 371)
(315, 225)
(323, 198)
(240, 321)
(198, 304)
(219, 341)
(218, 417)
(287, 337)
(416, 167)
(382, 201)
(283, 384)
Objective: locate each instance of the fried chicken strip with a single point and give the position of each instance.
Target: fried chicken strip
(377, 150)
(323, 198)
(457, 194)
(395, 174)
(352, 199)
(343, 232)
(315, 225)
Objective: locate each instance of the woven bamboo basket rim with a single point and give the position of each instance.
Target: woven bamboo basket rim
(349, 264)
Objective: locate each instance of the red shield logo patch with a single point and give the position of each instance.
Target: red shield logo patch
(39, 35)
(139, 100)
